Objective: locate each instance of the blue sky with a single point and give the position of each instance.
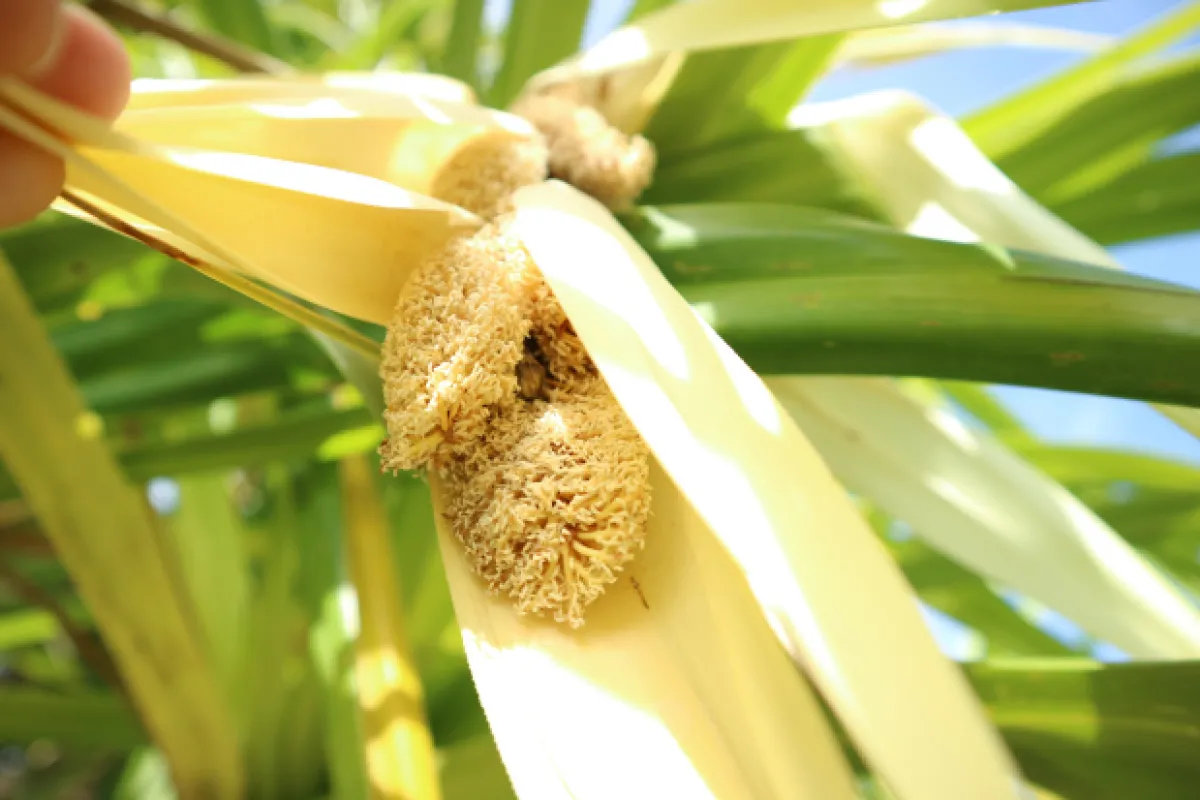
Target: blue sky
(959, 83)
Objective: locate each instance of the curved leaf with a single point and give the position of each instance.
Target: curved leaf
(1105, 731)
(768, 500)
(982, 505)
(798, 291)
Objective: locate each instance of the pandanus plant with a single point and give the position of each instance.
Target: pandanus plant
(602, 326)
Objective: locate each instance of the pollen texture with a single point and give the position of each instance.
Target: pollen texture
(555, 503)
(452, 348)
(587, 152)
(482, 174)
(487, 383)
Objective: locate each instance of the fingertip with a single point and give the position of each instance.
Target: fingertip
(30, 179)
(92, 69)
(28, 33)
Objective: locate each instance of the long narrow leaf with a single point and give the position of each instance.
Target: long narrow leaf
(983, 506)
(1104, 138)
(325, 589)
(800, 291)
(1002, 127)
(69, 720)
(1157, 198)
(888, 46)
(102, 530)
(1100, 731)
(928, 178)
(462, 43)
(768, 498)
(540, 33)
(245, 22)
(627, 73)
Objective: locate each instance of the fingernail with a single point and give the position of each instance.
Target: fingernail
(49, 57)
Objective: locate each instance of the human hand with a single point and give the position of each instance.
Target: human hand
(67, 52)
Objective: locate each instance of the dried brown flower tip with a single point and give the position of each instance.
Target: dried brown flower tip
(586, 151)
(556, 503)
(483, 174)
(452, 348)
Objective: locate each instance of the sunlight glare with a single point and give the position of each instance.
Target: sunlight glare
(324, 108)
(954, 155)
(347, 604)
(897, 9)
(954, 428)
(935, 222)
(624, 46)
(612, 714)
(303, 178)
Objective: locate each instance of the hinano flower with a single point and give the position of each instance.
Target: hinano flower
(647, 558)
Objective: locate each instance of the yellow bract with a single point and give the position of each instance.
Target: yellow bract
(294, 225)
(675, 687)
(162, 93)
(401, 140)
(769, 500)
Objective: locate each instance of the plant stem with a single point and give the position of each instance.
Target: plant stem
(136, 18)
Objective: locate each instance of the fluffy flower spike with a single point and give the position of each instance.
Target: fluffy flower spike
(487, 383)
(585, 151)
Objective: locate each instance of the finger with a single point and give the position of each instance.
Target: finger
(84, 64)
(29, 180)
(27, 32)
(90, 69)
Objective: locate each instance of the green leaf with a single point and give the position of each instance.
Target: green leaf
(472, 770)
(57, 258)
(965, 596)
(743, 91)
(206, 374)
(211, 547)
(26, 627)
(290, 437)
(798, 292)
(1021, 118)
(1083, 729)
(462, 43)
(1109, 134)
(795, 166)
(243, 20)
(69, 720)
(641, 8)
(361, 371)
(124, 336)
(103, 532)
(324, 588)
(1078, 465)
(540, 33)
(145, 776)
(397, 22)
(276, 614)
(1157, 198)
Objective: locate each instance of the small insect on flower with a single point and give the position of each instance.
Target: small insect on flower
(531, 373)
(487, 383)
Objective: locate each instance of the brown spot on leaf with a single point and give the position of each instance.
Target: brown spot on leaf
(1067, 358)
